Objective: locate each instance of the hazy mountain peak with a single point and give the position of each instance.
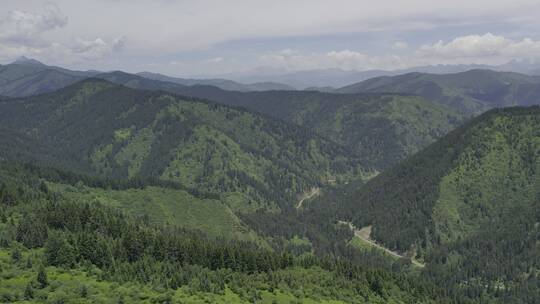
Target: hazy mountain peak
(23, 60)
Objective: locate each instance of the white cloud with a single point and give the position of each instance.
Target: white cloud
(24, 33)
(25, 28)
(344, 59)
(487, 48)
(215, 60)
(479, 49)
(234, 30)
(97, 48)
(400, 45)
(172, 26)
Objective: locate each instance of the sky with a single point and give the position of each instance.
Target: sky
(218, 37)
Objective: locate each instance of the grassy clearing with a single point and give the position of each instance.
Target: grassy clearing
(166, 206)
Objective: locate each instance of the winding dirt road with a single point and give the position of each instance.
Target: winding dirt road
(365, 235)
(314, 191)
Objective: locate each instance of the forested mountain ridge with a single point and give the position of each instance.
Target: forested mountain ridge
(469, 205)
(245, 158)
(472, 91)
(349, 119)
(381, 128)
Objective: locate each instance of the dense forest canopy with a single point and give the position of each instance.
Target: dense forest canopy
(381, 128)
(467, 205)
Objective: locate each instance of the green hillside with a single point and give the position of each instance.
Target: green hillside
(242, 158)
(381, 128)
(473, 91)
(57, 249)
(165, 206)
(467, 205)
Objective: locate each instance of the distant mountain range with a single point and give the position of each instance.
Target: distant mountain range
(336, 78)
(259, 79)
(25, 77)
(473, 91)
(224, 84)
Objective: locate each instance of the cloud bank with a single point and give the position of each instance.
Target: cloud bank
(471, 49)
(26, 28)
(25, 33)
(210, 36)
(486, 48)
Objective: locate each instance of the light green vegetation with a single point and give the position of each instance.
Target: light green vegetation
(85, 285)
(166, 206)
(135, 151)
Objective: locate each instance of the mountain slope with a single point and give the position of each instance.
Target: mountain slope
(472, 91)
(248, 160)
(30, 77)
(469, 205)
(44, 81)
(338, 78)
(381, 128)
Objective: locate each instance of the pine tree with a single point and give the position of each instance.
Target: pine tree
(84, 291)
(16, 255)
(29, 291)
(42, 277)
(28, 263)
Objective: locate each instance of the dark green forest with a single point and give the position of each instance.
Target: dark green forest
(381, 128)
